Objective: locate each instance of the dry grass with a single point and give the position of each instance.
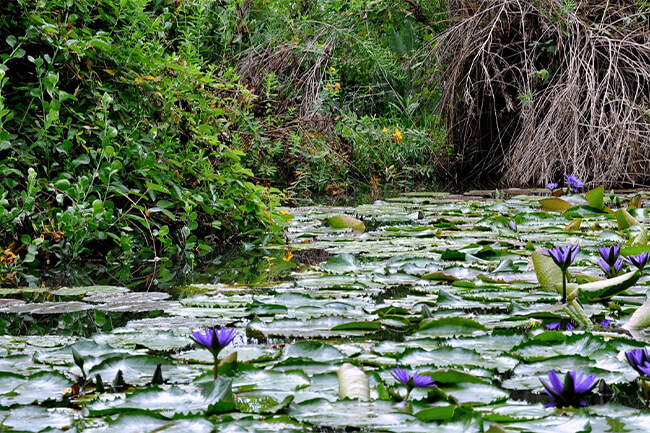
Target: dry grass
(590, 114)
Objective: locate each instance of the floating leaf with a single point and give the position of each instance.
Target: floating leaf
(595, 197)
(555, 204)
(574, 225)
(345, 222)
(605, 289)
(353, 383)
(548, 273)
(625, 220)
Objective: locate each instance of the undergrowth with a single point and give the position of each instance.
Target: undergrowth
(140, 138)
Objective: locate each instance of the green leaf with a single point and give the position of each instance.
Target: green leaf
(640, 319)
(437, 413)
(346, 221)
(548, 273)
(604, 289)
(595, 197)
(353, 383)
(555, 204)
(625, 220)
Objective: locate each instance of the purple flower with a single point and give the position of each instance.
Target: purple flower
(610, 253)
(639, 261)
(638, 359)
(571, 391)
(564, 256)
(551, 185)
(611, 271)
(214, 340)
(574, 182)
(557, 326)
(582, 384)
(512, 225)
(403, 376)
(605, 323)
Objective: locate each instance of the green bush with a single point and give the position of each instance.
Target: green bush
(115, 133)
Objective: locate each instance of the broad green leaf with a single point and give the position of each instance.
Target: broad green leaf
(548, 273)
(605, 289)
(555, 204)
(437, 413)
(595, 197)
(625, 220)
(353, 383)
(345, 222)
(640, 319)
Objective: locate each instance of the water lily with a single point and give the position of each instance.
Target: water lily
(610, 253)
(611, 270)
(571, 391)
(605, 323)
(214, 340)
(639, 261)
(638, 359)
(557, 326)
(512, 225)
(574, 182)
(563, 256)
(551, 185)
(411, 382)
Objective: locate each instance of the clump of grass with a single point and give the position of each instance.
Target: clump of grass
(536, 89)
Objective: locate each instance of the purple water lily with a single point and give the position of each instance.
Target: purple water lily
(611, 271)
(512, 225)
(638, 359)
(605, 323)
(610, 253)
(551, 185)
(214, 340)
(571, 391)
(557, 326)
(639, 261)
(563, 256)
(411, 382)
(574, 182)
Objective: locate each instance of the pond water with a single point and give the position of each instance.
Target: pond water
(438, 284)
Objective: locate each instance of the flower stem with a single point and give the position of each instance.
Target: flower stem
(216, 368)
(564, 286)
(408, 392)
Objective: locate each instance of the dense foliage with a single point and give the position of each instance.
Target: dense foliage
(139, 135)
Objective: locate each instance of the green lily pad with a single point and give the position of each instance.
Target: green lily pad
(345, 222)
(605, 289)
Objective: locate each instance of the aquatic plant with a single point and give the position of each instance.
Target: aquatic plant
(411, 382)
(573, 182)
(610, 262)
(551, 185)
(557, 326)
(639, 261)
(563, 256)
(512, 225)
(638, 360)
(214, 341)
(571, 391)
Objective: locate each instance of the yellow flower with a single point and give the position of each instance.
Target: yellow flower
(384, 130)
(285, 212)
(397, 136)
(332, 68)
(288, 256)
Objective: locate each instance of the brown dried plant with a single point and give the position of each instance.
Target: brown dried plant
(535, 89)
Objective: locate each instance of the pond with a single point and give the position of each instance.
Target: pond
(457, 289)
